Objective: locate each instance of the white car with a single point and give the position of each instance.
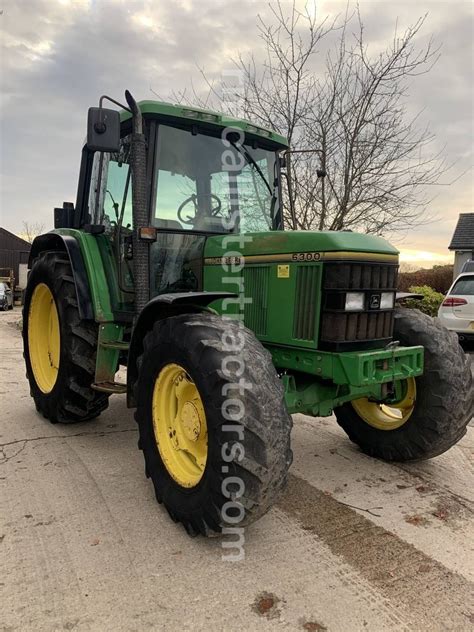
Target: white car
(457, 310)
(6, 297)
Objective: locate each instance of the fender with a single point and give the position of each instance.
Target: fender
(66, 243)
(158, 308)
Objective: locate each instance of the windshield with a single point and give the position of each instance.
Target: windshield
(3, 287)
(206, 184)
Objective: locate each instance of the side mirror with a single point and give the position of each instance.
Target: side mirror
(103, 129)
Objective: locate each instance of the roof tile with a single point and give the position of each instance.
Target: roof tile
(463, 238)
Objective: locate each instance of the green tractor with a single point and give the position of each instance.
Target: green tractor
(174, 263)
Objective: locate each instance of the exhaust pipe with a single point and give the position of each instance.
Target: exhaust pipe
(141, 253)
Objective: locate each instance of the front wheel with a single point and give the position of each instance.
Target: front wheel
(213, 425)
(431, 412)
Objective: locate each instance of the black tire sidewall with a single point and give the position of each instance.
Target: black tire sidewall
(72, 398)
(44, 273)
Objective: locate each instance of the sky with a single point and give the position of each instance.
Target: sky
(58, 56)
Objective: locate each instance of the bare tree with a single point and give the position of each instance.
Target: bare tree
(379, 159)
(32, 230)
(278, 92)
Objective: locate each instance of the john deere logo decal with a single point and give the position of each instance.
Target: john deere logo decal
(374, 301)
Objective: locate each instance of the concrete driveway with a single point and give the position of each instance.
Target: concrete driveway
(354, 544)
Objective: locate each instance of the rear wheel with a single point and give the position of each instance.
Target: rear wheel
(213, 426)
(59, 347)
(429, 414)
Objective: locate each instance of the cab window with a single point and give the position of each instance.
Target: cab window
(196, 190)
(464, 286)
(112, 204)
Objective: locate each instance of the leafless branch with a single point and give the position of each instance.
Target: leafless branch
(380, 161)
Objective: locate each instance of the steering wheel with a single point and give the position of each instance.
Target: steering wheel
(215, 211)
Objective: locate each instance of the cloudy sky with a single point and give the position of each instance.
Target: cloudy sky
(59, 56)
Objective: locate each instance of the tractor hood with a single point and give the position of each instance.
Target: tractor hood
(299, 246)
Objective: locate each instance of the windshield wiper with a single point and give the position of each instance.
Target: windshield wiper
(250, 159)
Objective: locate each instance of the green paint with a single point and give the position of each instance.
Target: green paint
(347, 376)
(107, 356)
(209, 118)
(91, 246)
(102, 275)
(318, 398)
(357, 368)
(282, 288)
(272, 296)
(281, 242)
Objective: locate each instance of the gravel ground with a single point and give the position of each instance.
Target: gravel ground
(354, 543)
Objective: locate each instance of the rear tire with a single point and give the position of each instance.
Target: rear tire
(71, 399)
(444, 397)
(254, 449)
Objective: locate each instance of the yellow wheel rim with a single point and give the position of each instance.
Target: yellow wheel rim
(388, 417)
(180, 427)
(44, 338)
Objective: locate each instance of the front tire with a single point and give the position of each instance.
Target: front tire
(59, 347)
(442, 407)
(217, 452)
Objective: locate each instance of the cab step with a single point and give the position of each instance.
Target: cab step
(115, 344)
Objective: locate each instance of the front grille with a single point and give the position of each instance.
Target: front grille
(304, 323)
(256, 287)
(360, 276)
(345, 330)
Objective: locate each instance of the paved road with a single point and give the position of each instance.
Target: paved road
(354, 544)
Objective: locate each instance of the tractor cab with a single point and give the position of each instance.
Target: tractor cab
(206, 174)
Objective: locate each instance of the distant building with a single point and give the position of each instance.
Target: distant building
(462, 242)
(14, 253)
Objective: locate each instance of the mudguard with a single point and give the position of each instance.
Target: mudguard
(160, 307)
(66, 243)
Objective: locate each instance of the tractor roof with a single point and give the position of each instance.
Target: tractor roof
(207, 117)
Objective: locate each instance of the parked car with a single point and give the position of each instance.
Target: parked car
(468, 266)
(6, 297)
(457, 310)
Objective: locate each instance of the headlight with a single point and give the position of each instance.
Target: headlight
(355, 301)
(387, 300)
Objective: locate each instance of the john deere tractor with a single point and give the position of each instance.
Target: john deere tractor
(173, 262)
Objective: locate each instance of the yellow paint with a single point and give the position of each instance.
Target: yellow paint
(283, 272)
(384, 417)
(44, 338)
(302, 257)
(180, 426)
